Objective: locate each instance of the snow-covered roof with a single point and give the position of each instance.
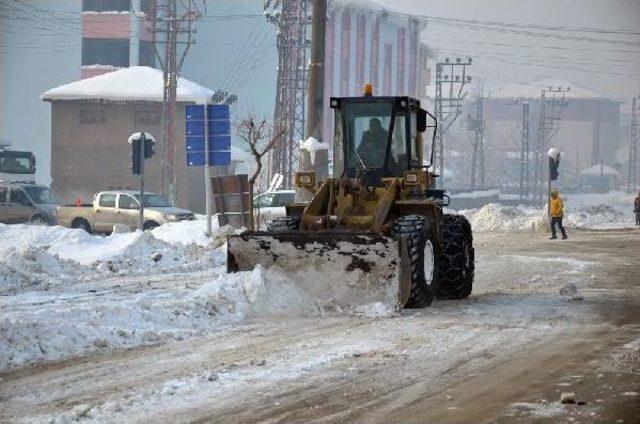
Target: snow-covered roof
(600, 170)
(532, 90)
(137, 83)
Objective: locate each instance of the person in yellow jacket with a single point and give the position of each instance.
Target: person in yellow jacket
(557, 212)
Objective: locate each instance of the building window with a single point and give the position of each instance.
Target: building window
(91, 117)
(375, 53)
(345, 52)
(147, 54)
(101, 51)
(106, 5)
(401, 61)
(147, 119)
(360, 50)
(388, 61)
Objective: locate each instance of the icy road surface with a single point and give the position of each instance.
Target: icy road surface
(153, 342)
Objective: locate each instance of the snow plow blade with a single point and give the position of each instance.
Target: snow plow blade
(346, 269)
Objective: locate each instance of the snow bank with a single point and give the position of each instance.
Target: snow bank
(41, 327)
(39, 257)
(65, 293)
(586, 211)
(312, 144)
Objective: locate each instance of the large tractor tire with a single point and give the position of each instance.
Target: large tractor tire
(420, 238)
(284, 224)
(457, 261)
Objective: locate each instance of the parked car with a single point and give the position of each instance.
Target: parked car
(120, 207)
(26, 202)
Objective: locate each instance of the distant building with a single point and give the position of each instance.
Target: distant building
(368, 42)
(92, 119)
(588, 133)
(600, 178)
(114, 36)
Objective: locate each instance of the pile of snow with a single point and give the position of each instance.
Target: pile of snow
(312, 144)
(585, 211)
(65, 293)
(497, 217)
(47, 326)
(39, 257)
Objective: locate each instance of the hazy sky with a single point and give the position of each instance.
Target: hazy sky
(239, 53)
(608, 63)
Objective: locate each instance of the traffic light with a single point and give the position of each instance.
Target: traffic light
(149, 148)
(135, 157)
(554, 163)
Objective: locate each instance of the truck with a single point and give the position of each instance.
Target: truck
(120, 207)
(16, 165)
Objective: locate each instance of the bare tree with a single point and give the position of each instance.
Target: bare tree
(261, 138)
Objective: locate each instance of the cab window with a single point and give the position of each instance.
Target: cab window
(415, 155)
(283, 199)
(398, 159)
(108, 201)
(265, 200)
(127, 202)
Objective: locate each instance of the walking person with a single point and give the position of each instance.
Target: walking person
(557, 212)
(636, 208)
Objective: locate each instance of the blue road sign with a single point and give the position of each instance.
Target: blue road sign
(218, 139)
(195, 113)
(215, 158)
(219, 112)
(195, 143)
(220, 142)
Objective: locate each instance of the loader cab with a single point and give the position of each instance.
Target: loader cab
(380, 137)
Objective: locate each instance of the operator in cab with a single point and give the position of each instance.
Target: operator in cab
(373, 147)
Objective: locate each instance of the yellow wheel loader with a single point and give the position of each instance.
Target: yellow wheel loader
(374, 231)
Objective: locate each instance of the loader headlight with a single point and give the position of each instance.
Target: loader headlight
(305, 179)
(411, 178)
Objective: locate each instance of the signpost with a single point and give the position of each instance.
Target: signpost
(142, 147)
(208, 135)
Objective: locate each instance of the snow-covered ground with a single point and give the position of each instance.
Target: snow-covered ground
(65, 293)
(584, 211)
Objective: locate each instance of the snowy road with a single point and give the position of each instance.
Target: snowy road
(509, 345)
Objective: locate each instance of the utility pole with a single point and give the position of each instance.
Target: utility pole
(315, 97)
(318, 160)
(552, 103)
(290, 19)
(632, 176)
(478, 126)
(171, 27)
(524, 153)
(451, 79)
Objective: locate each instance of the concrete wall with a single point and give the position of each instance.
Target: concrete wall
(89, 157)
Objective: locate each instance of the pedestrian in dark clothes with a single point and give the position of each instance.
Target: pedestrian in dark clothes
(636, 208)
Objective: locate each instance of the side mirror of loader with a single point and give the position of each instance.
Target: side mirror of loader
(421, 117)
